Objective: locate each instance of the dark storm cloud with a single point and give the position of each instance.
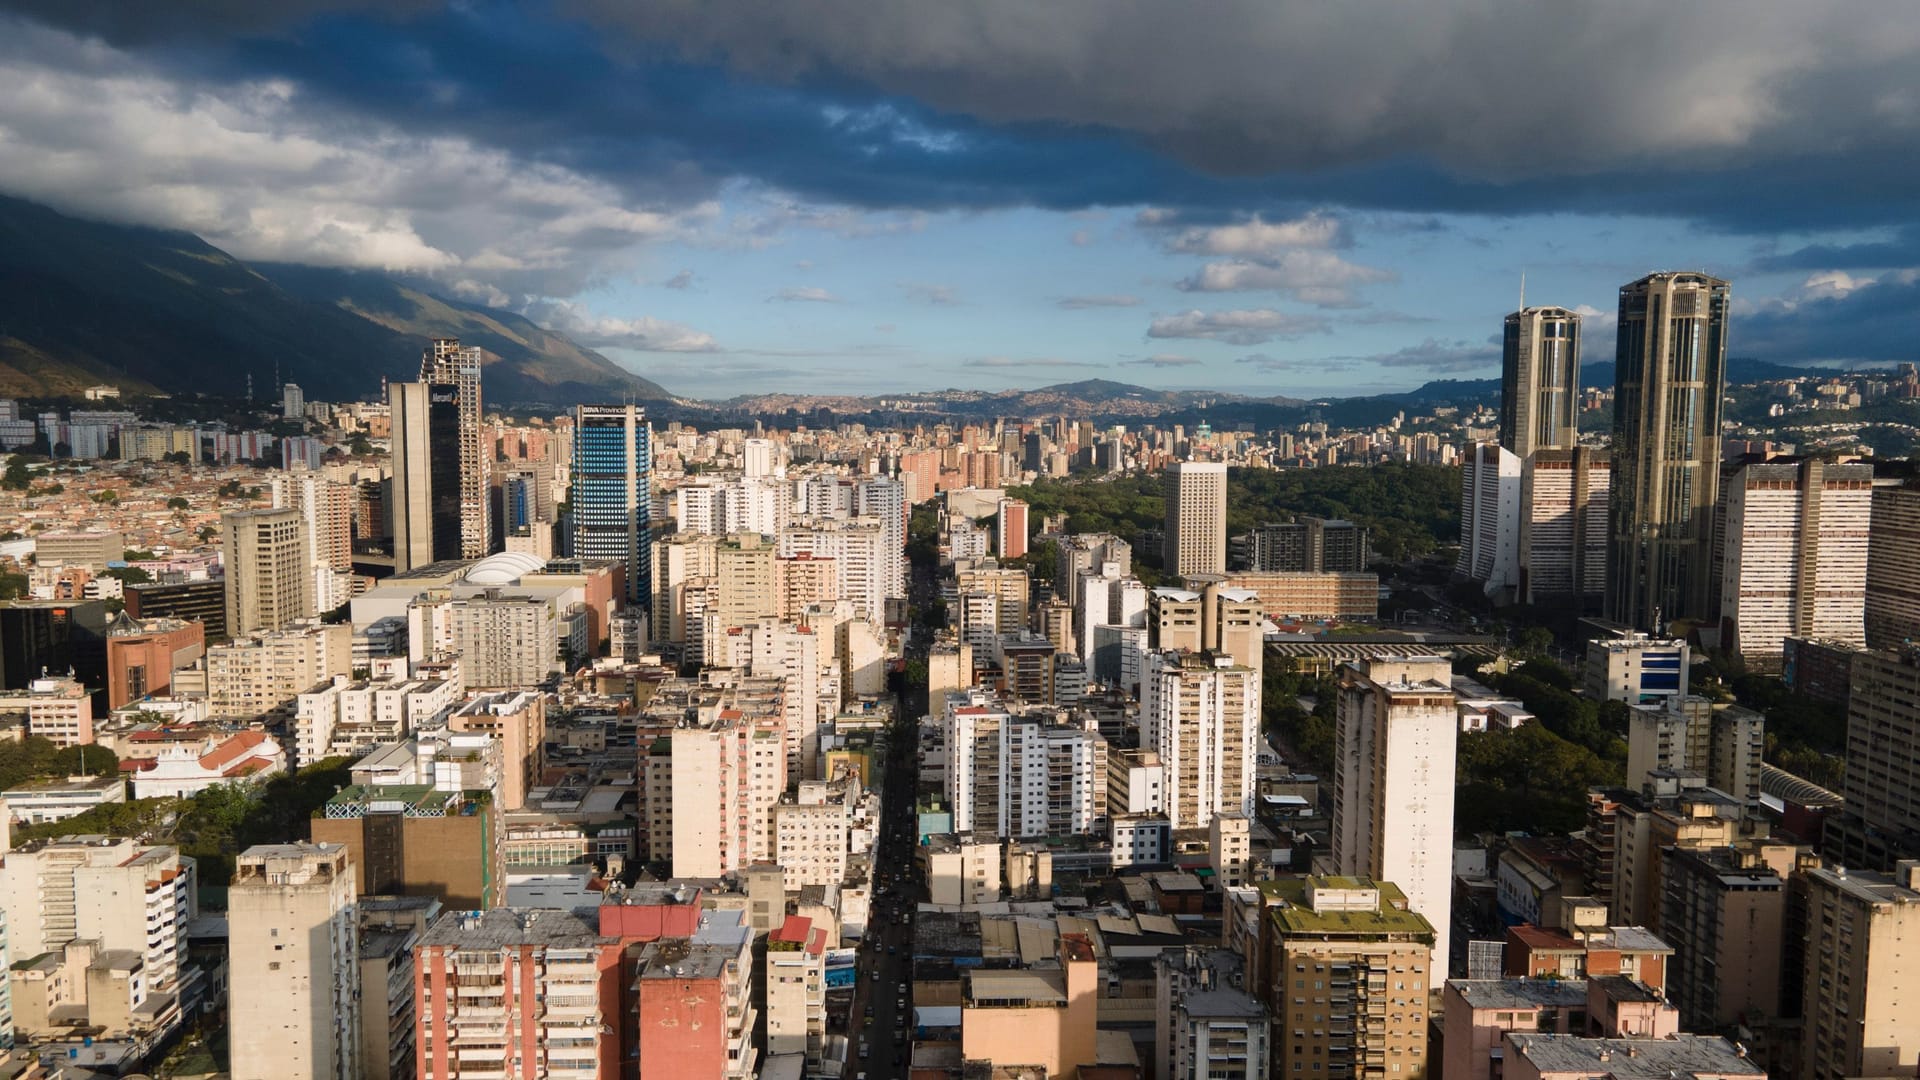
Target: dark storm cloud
(1870, 322)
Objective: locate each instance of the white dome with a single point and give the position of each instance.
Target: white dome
(505, 568)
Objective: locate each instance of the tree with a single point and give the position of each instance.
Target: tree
(1535, 641)
(178, 503)
(16, 478)
(127, 575)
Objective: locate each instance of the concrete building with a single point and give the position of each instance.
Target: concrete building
(1196, 518)
(1637, 669)
(1892, 608)
(1479, 1013)
(1563, 526)
(1881, 822)
(1540, 381)
(505, 640)
(515, 992)
(796, 990)
(1670, 381)
(52, 707)
(518, 720)
(293, 963)
(1034, 1016)
(1353, 952)
(270, 580)
(423, 819)
(266, 672)
(812, 832)
(1861, 973)
(1725, 914)
(694, 1002)
(1793, 556)
(1214, 618)
(1574, 1057)
(390, 929)
(1200, 712)
(36, 802)
(91, 549)
(1312, 595)
(1395, 732)
(1022, 775)
(728, 772)
(860, 550)
(1490, 513)
(1010, 529)
(1308, 545)
(609, 494)
(142, 657)
(961, 869)
(1207, 1022)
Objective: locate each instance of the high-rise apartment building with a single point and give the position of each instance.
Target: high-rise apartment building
(1563, 526)
(1881, 822)
(120, 894)
(860, 549)
(293, 963)
(1214, 619)
(1490, 479)
(1196, 523)
(1357, 954)
(266, 672)
(1540, 381)
(505, 639)
(610, 496)
(1310, 544)
(1795, 540)
(1201, 713)
(885, 500)
(1861, 975)
(1724, 911)
(727, 774)
(1208, 1025)
(1394, 738)
(1010, 529)
(1670, 377)
(270, 580)
(1892, 610)
(1022, 774)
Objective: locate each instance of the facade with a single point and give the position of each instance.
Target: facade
(451, 373)
(796, 989)
(1795, 541)
(419, 840)
(610, 496)
(1010, 529)
(811, 835)
(728, 773)
(266, 672)
(141, 658)
(1881, 824)
(1861, 975)
(1671, 377)
(1540, 381)
(505, 640)
(1201, 713)
(1725, 914)
(1637, 669)
(1563, 525)
(1022, 775)
(1196, 521)
(515, 992)
(1353, 952)
(1393, 785)
(1309, 545)
(293, 963)
(204, 602)
(1892, 609)
(270, 580)
(1490, 479)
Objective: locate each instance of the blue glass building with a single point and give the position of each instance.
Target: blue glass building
(609, 496)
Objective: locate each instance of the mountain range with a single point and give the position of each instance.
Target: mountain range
(154, 310)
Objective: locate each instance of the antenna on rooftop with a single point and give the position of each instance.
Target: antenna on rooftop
(1523, 290)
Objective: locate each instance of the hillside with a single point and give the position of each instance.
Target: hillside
(157, 310)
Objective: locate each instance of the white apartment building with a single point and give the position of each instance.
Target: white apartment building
(885, 500)
(1637, 669)
(811, 833)
(55, 708)
(1794, 557)
(1490, 509)
(340, 716)
(123, 894)
(1022, 775)
(505, 640)
(1892, 612)
(796, 989)
(1201, 713)
(266, 672)
(728, 773)
(1395, 734)
(776, 649)
(858, 545)
(1208, 1023)
(1563, 524)
(293, 963)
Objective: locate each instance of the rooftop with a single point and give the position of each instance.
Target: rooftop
(1521, 993)
(1635, 1059)
(504, 927)
(1291, 910)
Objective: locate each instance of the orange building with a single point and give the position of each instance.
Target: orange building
(142, 657)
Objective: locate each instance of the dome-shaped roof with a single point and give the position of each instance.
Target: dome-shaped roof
(505, 568)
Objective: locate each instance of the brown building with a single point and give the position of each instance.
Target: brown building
(1726, 917)
(1862, 973)
(411, 840)
(142, 657)
(1312, 596)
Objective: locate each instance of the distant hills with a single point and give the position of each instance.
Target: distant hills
(151, 310)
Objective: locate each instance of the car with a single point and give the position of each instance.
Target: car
(892, 949)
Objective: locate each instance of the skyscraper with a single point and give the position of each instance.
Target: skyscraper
(610, 500)
(1671, 374)
(270, 580)
(1394, 741)
(1196, 518)
(1794, 541)
(441, 473)
(1540, 381)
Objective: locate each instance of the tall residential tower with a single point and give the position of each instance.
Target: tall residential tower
(1671, 374)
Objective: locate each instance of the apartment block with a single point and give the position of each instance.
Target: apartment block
(1207, 1022)
(1881, 822)
(1200, 712)
(1892, 609)
(265, 672)
(1862, 973)
(1563, 525)
(1794, 557)
(293, 963)
(1637, 669)
(1022, 774)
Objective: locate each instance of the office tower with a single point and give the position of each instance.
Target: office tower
(533, 985)
(610, 492)
(1372, 949)
(425, 506)
(1010, 529)
(142, 657)
(38, 637)
(1893, 566)
(1861, 979)
(269, 569)
(327, 510)
(1490, 519)
(1394, 735)
(1671, 374)
(1563, 526)
(1206, 1020)
(452, 374)
(1540, 381)
(1795, 548)
(1196, 525)
(1881, 822)
(293, 963)
(1201, 713)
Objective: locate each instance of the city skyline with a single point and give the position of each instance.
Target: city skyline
(914, 205)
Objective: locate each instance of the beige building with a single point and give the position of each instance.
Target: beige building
(93, 550)
(518, 720)
(962, 869)
(1395, 732)
(728, 773)
(1346, 975)
(1215, 618)
(802, 581)
(266, 672)
(1196, 521)
(1881, 823)
(1008, 586)
(505, 640)
(796, 989)
(1311, 595)
(1892, 608)
(1201, 713)
(1793, 562)
(1034, 1016)
(1540, 381)
(53, 707)
(1724, 913)
(293, 963)
(270, 578)
(1862, 973)
(1563, 525)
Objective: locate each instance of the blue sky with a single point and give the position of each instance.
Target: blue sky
(832, 197)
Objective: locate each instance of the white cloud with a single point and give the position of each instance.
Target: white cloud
(1322, 278)
(1247, 327)
(805, 294)
(937, 295)
(644, 333)
(1256, 238)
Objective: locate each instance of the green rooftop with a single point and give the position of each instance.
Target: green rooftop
(1342, 908)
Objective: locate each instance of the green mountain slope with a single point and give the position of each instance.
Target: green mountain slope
(149, 309)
